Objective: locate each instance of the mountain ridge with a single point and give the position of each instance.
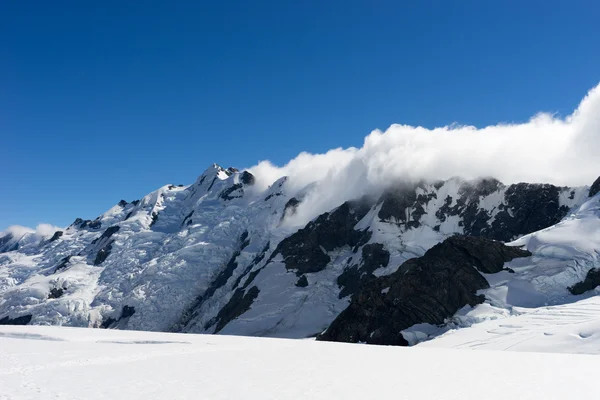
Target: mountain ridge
(221, 256)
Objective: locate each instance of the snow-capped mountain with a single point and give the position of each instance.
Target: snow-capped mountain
(223, 256)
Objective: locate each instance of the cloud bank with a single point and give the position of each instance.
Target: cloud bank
(548, 149)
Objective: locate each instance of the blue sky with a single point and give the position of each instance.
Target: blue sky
(107, 100)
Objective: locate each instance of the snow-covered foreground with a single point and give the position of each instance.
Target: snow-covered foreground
(39, 362)
(566, 328)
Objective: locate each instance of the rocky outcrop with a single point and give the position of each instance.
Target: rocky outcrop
(525, 207)
(56, 236)
(591, 282)
(55, 293)
(373, 256)
(104, 244)
(126, 312)
(239, 303)
(302, 281)
(7, 243)
(427, 289)
(595, 188)
(306, 250)
(247, 178)
(22, 320)
(62, 264)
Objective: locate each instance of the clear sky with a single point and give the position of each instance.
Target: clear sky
(109, 99)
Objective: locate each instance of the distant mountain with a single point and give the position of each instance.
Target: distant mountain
(221, 256)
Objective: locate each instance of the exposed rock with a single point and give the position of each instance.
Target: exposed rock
(239, 303)
(55, 293)
(106, 243)
(107, 323)
(227, 193)
(103, 254)
(254, 262)
(126, 312)
(427, 289)
(305, 250)
(154, 218)
(56, 236)
(95, 224)
(402, 205)
(290, 207)
(302, 282)
(591, 282)
(211, 184)
(373, 256)
(526, 208)
(529, 208)
(187, 218)
(6, 245)
(122, 203)
(107, 234)
(62, 264)
(22, 320)
(595, 188)
(247, 178)
(273, 195)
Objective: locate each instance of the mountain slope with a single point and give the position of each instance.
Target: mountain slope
(221, 255)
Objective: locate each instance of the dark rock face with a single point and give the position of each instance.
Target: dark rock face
(126, 312)
(595, 188)
(373, 256)
(22, 320)
(62, 264)
(427, 289)
(105, 243)
(591, 282)
(228, 194)
(154, 218)
(56, 236)
(239, 303)
(532, 207)
(188, 219)
(526, 208)
(122, 203)
(87, 223)
(247, 178)
(95, 224)
(305, 250)
(290, 207)
(302, 282)
(55, 293)
(5, 245)
(247, 270)
(403, 205)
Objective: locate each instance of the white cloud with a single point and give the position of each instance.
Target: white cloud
(544, 149)
(42, 231)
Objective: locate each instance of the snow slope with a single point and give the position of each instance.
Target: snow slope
(207, 258)
(41, 362)
(566, 328)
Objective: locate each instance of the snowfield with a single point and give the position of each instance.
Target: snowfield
(40, 362)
